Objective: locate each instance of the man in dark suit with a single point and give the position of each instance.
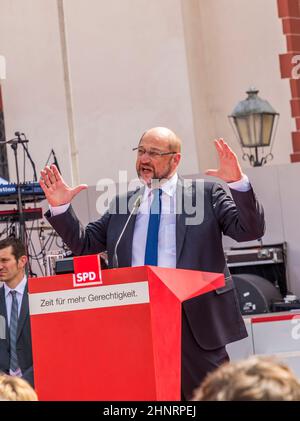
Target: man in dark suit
(192, 219)
(15, 335)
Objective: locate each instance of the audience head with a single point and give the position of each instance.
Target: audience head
(254, 379)
(14, 388)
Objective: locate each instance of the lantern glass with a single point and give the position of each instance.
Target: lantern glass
(255, 129)
(248, 128)
(267, 128)
(254, 122)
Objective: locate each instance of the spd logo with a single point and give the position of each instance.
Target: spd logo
(85, 277)
(87, 271)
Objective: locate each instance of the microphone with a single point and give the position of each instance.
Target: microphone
(136, 205)
(16, 140)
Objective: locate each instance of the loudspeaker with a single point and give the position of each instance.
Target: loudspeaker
(256, 294)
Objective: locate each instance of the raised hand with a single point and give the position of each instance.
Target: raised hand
(229, 167)
(57, 192)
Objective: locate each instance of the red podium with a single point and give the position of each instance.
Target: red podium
(117, 341)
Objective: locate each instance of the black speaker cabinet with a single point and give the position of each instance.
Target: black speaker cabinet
(256, 294)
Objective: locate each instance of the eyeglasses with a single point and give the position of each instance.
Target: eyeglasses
(151, 153)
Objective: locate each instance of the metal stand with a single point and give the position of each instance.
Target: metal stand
(20, 139)
(22, 231)
(21, 195)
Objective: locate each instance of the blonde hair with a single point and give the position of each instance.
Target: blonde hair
(253, 379)
(14, 388)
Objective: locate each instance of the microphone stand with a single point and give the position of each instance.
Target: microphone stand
(55, 160)
(25, 140)
(52, 153)
(14, 145)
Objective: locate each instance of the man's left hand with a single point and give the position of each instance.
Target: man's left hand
(230, 169)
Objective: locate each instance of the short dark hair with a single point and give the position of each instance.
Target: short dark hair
(18, 248)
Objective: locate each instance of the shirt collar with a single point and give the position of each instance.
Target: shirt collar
(19, 288)
(169, 187)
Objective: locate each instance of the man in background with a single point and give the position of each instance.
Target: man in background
(15, 335)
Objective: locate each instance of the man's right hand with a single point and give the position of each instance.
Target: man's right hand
(57, 192)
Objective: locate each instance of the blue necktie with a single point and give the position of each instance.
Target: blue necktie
(13, 332)
(151, 251)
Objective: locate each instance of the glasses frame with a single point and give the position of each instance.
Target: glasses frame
(153, 154)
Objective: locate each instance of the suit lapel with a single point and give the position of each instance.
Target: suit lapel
(24, 312)
(180, 217)
(2, 302)
(3, 312)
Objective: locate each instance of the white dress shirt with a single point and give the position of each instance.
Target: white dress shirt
(20, 288)
(167, 226)
(8, 298)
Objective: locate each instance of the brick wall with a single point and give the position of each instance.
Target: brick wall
(289, 13)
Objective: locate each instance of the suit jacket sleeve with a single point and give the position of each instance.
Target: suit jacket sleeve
(241, 218)
(214, 318)
(80, 240)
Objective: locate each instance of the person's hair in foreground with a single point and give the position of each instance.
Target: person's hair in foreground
(252, 379)
(14, 388)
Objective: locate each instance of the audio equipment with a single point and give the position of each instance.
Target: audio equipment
(30, 192)
(256, 294)
(12, 215)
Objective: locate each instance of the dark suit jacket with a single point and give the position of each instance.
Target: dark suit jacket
(214, 318)
(24, 350)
